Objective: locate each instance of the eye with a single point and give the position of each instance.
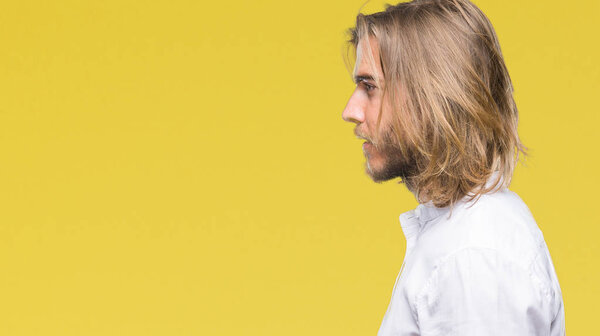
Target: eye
(368, 86)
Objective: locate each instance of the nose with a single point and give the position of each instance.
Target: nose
(354, 110)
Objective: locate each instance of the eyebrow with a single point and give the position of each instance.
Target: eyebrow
(360, 78)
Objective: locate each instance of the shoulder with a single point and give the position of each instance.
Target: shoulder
(502, 222)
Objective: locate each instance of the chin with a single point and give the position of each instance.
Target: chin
(376, 171)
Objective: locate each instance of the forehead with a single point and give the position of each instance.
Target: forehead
(367, 61)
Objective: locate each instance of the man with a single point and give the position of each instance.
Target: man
(434, 104)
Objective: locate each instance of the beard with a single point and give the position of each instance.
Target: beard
(387, 160)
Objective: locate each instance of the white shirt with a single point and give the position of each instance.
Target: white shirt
(485, 271)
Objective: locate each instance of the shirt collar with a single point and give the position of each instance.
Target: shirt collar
(412, 220)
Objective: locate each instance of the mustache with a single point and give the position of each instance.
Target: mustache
(360, 135)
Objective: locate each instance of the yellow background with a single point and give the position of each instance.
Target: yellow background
(182, 167)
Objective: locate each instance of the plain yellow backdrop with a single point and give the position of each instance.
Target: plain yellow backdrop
(182, 167)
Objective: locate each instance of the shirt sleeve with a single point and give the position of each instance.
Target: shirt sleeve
(478, 291)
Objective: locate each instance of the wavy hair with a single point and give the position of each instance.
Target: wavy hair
(451, 96)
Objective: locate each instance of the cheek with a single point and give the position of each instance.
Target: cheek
(377, 130)
(372, 113)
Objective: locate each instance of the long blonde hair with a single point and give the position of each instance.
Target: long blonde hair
(452, 96)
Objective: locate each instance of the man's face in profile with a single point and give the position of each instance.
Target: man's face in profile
(384, 159)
